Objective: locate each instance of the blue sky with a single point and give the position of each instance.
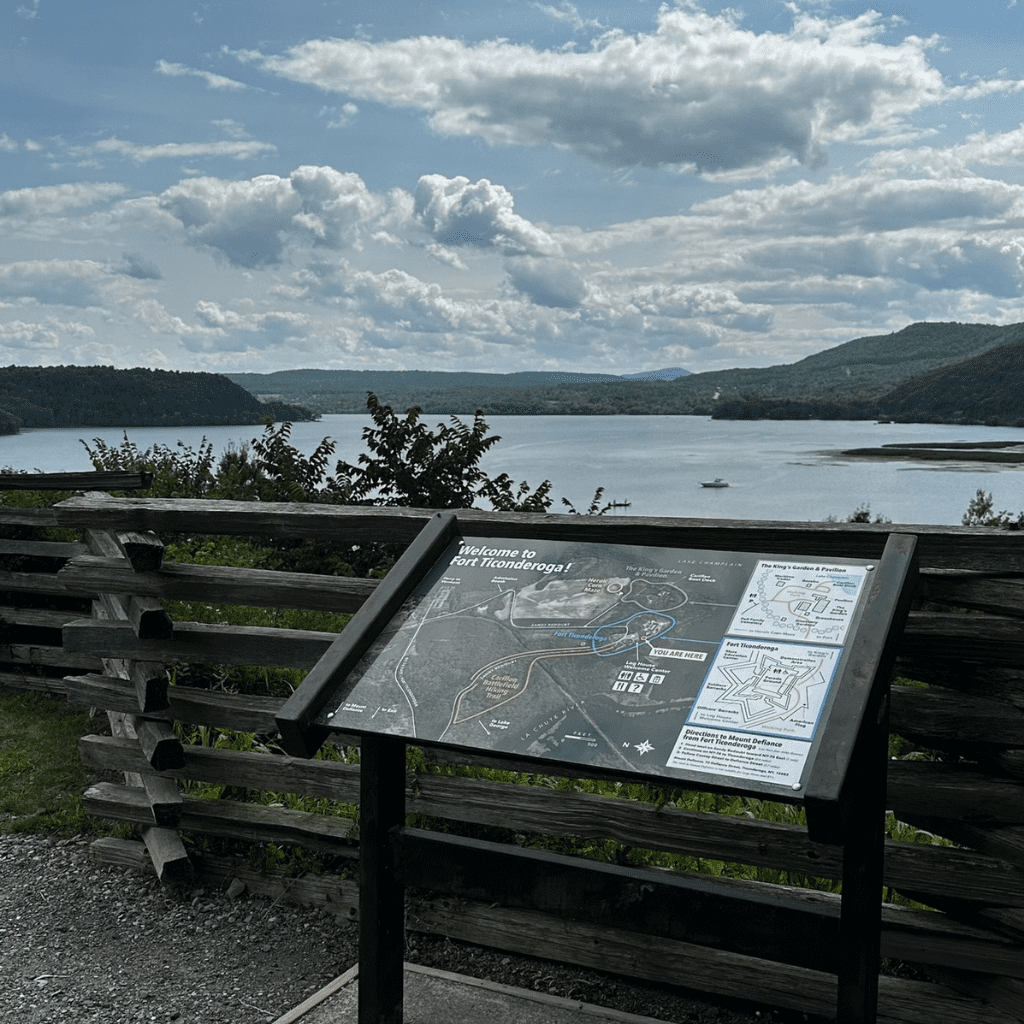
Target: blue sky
(604, 186)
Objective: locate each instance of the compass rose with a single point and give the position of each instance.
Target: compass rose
(643, 748)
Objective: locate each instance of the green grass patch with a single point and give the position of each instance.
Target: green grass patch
(41, 776)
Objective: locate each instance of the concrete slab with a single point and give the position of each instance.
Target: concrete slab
(438, 997)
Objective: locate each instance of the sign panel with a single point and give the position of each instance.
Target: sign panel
(657, 660)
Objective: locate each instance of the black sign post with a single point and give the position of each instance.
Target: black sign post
(758, 674)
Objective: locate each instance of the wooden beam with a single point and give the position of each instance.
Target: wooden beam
(159, 744)
(767, 921)
(940, 718)
(230, 819)
(145, 551)
(41, 548)
(983, 548)
(217, 584)
(100, 480)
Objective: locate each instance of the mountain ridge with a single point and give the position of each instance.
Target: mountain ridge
(856, 373)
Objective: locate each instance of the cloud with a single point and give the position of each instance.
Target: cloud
(17, 334)
(139, 267)
(699, 93)
(930, 260)
(547, 282)
(569, 15)
(7, 144)
(239, 149)
(251, 222)
(866, 202)
(212, 81)
(49, 200)
(1000, 150)
(55, 282)
(459, 212)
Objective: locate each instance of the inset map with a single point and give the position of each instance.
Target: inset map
(799, 601)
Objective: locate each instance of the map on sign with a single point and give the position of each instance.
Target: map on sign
(617, 656)
(797, 600)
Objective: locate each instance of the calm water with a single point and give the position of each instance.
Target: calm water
(775, 469)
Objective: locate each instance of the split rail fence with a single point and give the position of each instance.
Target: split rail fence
(964, 639)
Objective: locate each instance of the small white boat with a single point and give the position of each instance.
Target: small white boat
(717, 482)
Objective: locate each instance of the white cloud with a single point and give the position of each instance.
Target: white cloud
(139, 154)
(457, 211)
(569, 15)
(17, 334)
(212, 81)
(55, 282)
(699, 93)
(251, 222)
(49, 200)
(7, 144)
(847, 203)
(1003, 149)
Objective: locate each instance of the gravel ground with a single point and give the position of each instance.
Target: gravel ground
(90, 943)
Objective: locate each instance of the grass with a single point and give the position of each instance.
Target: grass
(41, 776)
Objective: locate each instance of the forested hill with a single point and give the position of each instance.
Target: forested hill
(986, 389)
(101, 396)
(854, 374)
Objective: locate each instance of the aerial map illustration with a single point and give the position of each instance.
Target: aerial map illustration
(656, 660)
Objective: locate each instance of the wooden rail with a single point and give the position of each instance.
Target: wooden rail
(964, 639)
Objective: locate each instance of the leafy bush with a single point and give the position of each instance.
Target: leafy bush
(980, 513)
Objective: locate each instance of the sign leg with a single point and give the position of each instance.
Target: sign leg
(860, 921)
(381, 898)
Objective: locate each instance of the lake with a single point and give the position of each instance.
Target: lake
(776, 469)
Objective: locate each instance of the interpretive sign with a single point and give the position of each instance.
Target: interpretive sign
(688, 664)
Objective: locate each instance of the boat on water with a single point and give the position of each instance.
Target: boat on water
(717, 482)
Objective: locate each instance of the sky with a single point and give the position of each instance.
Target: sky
(606, 187)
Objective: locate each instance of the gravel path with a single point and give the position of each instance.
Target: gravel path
(90, 943)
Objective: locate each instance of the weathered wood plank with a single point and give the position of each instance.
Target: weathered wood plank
(332, 780)
(1006, 994)
(99, 480)
(15, 516)
(932, 637)
(217, 584)
(706, 970)
(168, 854)
(908, 866)
(56, 657)
(1006, 843)
(31, 683)
(231, 820)
(125, 803)
(37, 582)
(1001, 594)
(978, 548)
(940, 790)
(121, 853)
(40, 617)
(145, 551)
(148, 619)
(159, 745)
(339, 896)
(202, 643)
(42, 548)
(992, 681)
(941, 717)
(239, 712)
(164, 798)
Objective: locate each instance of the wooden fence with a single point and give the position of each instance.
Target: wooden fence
(965, 639)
